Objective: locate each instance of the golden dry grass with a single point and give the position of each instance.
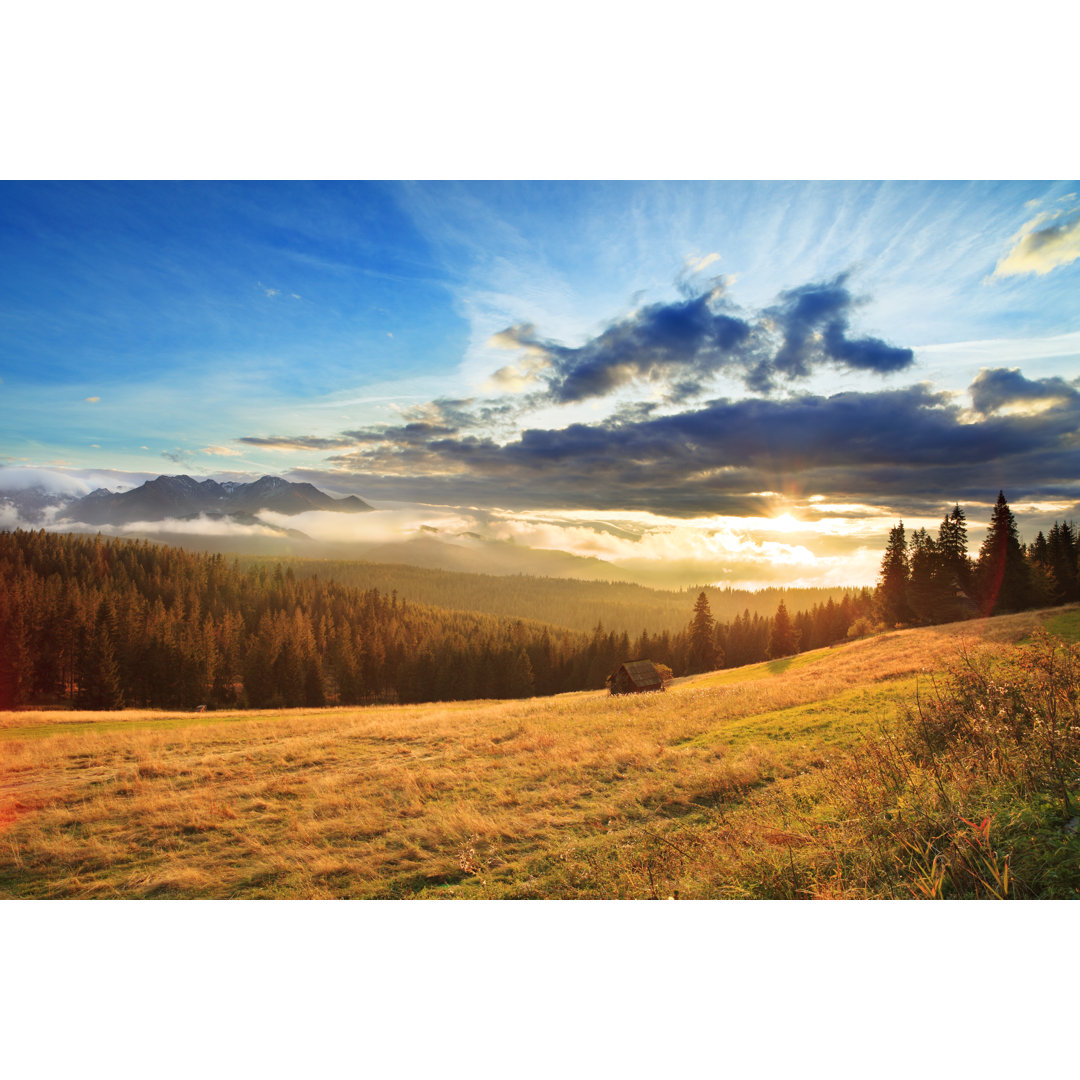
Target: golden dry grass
(576, 795)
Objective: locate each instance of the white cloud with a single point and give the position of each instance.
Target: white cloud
(1049, 240)
(749, 552)
(512, 379)
(379, 526)
(69, 482)
(696, 263)
(220, 451)
(200, 526)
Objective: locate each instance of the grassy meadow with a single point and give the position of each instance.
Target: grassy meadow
(940, 761)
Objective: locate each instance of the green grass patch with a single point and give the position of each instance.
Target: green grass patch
(839, 721)
(1065, 625)
(767, 669)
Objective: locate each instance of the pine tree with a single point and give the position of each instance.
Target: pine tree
(1002, 571)
(15, 657)
(1040, 551)
(924, 584)
(952, 545)
(784, 638)
(953, 572)
(1061, 553)
(702, 652)
(891, 595)
(99, 674)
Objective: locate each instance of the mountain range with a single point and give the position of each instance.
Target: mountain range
(184, 497)
(155, 509)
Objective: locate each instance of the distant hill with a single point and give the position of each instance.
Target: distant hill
(471, 554)
(554, 598)
(185, 497)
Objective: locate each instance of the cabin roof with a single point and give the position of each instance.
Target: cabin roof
(642, 672)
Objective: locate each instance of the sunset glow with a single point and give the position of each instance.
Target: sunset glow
(752, 392)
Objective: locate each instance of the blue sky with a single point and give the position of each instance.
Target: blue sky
(456, 344)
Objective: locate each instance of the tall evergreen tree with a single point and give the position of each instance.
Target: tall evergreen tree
(952, 546)
(784, 638)
(1040, 551)
(702, 652)
(924, 585)
(891, 594)
(1002, 571)
(1061, 555)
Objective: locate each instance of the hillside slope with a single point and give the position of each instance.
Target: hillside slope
(768, 781)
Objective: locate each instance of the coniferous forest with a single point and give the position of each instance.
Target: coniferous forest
(927, 579)
(100, 623)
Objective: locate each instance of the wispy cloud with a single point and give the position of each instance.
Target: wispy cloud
(65, 481)
(1049, 240)
(692, 268)
(220, 451)
(295, 442)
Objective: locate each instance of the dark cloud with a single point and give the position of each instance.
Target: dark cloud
(295, 442)
(874, 448)
(412, 434)
(997, 388)
(442, 417)
(686, 340)
(681, 345)
(813, 321)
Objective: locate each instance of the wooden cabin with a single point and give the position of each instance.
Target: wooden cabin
(635, 677)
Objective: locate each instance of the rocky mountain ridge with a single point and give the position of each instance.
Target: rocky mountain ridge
(183, 497)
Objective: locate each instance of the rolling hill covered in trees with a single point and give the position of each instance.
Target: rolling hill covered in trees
(103, 623)
(574, 603)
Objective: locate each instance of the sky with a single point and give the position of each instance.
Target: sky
(174, 305)
(747, 380)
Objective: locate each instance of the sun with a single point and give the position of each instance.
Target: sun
(785, 523)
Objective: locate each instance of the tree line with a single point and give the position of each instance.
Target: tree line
(102, 623)
(930, 579)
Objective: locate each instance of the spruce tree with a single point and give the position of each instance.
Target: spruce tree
(952, 539)
(891, 594)
(784, 638)
(702, 654)
(924, 594)
(1002, 571)
(1061, 552)
(1040, 551)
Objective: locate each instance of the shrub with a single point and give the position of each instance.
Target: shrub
(995, 748)
(862, 627)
